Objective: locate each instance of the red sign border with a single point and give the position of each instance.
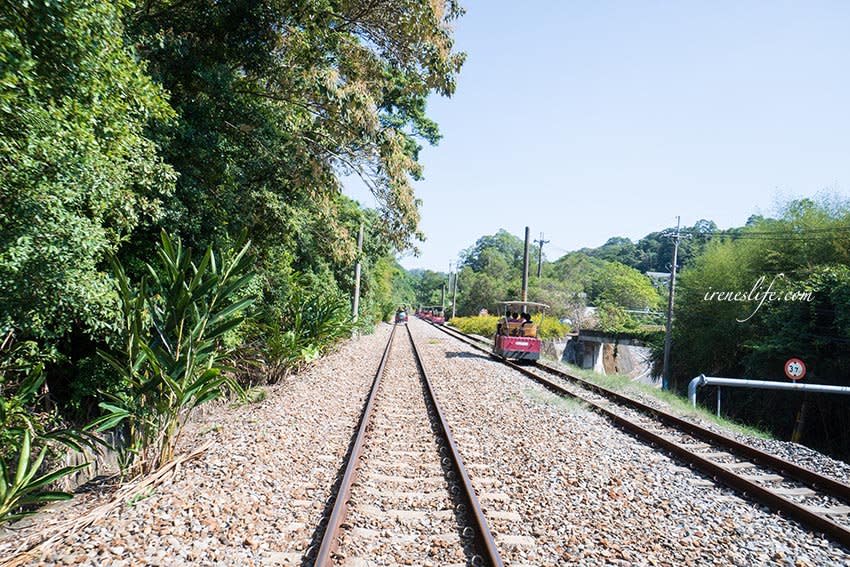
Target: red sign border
(789, 361)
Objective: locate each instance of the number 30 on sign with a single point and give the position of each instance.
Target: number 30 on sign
(795, 369)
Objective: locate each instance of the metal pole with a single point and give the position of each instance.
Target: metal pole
(540, 256)
(450, 278)
(525, 268)
(718, 401)
(355, 307)
(668, 339)
(454, 295)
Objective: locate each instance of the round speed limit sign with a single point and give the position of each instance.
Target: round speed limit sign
(795, 369)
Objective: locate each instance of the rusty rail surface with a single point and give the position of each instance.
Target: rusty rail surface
(819, 482)
(330, 539)
(483, 540)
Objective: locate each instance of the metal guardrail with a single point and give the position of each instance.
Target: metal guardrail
(703, 380)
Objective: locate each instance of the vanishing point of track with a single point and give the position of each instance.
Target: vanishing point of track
(434, 444)
(759, 475)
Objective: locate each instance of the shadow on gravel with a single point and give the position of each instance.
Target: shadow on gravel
(462, 354)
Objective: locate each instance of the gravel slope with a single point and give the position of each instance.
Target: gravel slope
(255, 497)
(582, 491)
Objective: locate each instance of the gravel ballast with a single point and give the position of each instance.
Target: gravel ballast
(583, 491)
(559, 484)
(401, 510)
(255, 497)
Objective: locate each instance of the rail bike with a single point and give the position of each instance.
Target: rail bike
(516, 333)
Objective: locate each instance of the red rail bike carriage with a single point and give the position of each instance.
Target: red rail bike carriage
(516, 334)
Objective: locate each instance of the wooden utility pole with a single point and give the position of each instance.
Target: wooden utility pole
(355, 306)
(797, 434)
(540, 255)
(668, 339)
(525, 268)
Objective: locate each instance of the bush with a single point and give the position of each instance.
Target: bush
(311, 322)
(550, 327)
(174, 326)
(27, 429)
(485, 325)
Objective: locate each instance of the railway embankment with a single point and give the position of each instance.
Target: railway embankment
(590, 493)
(254, 496)
(558, 483)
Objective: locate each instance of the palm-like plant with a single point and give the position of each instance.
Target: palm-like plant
(24, 489)
(310, 322)
(174, 323)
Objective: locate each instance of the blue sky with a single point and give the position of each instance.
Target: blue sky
(589, 119)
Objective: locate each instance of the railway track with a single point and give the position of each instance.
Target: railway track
(405, 495)
(815, 500)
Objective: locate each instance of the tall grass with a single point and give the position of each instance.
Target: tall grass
(676, 403)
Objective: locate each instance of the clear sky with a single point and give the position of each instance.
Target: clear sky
(591, 119)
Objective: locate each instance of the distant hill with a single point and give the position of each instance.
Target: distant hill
(654, 252)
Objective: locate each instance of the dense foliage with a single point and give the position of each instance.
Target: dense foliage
(654, 252)
(485, 326)
(173, 328)
(205, 119)
(491, 271)
(805, 249)
(77, 173)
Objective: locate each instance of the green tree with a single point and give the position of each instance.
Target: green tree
(77, 173)
(804, 250)
(276, 100)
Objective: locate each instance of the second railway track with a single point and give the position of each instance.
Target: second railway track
(405, 496)
(815, 500)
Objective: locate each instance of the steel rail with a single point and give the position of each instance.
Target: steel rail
(330, 539)
(486, 542)
(800, 473)
(772, 499)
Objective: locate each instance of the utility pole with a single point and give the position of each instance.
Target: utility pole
(355, 307)
(454, 294)
(668, 338)
(525, 268)
(540, 255)
(450, 278)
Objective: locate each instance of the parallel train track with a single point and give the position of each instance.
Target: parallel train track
(403, 423)
(813, 499)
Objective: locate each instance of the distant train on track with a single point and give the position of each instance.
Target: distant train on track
(401, 315)
(435, 314)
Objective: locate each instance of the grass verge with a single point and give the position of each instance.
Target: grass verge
(676, 404)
